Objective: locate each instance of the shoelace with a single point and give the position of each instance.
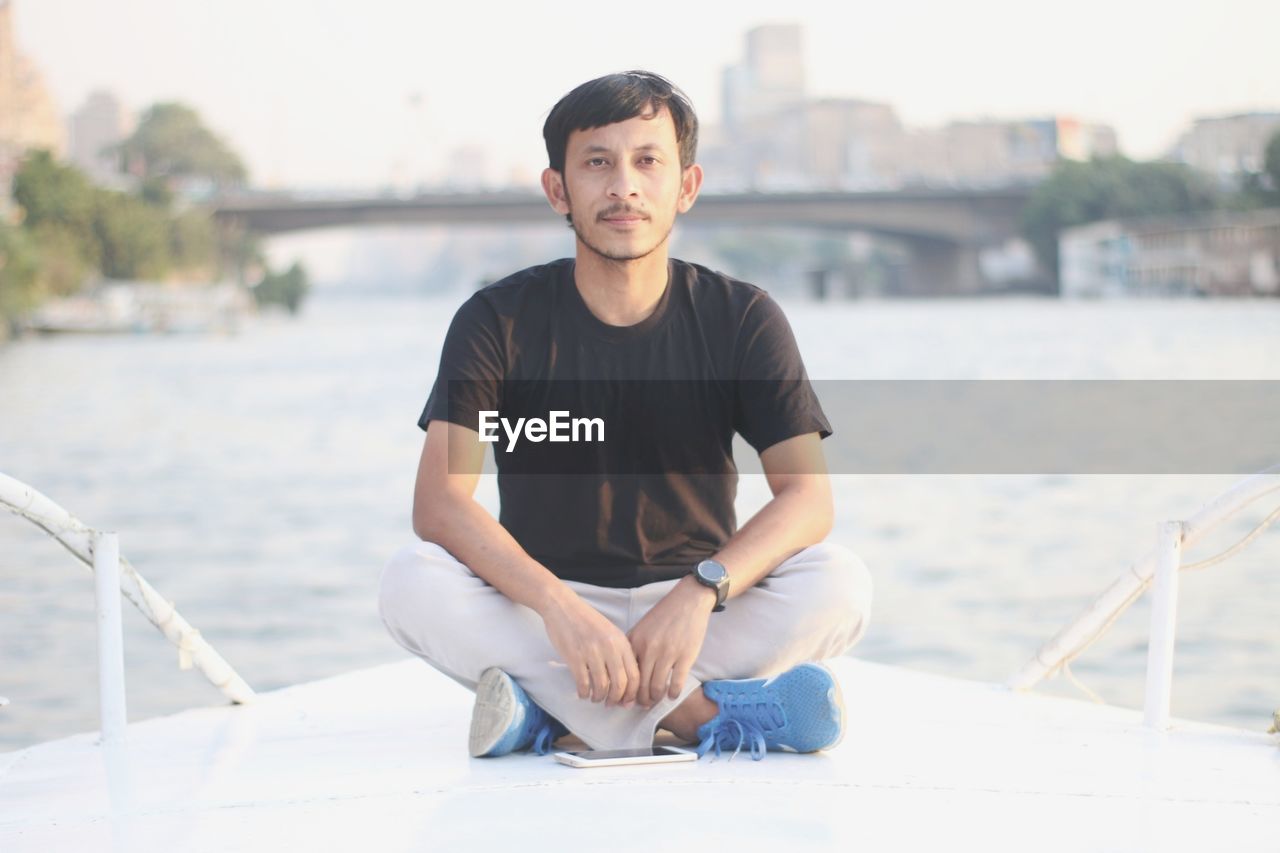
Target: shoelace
(547, 733)
(722, 734)
(751, 715)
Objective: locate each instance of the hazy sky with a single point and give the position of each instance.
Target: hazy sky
(322, 93)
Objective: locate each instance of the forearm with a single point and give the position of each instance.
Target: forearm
(596, 651)
(668, 638)
(793, 520)
(466, 530)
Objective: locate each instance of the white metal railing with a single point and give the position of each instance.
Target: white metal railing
(1162, 564)
(114, 576)
(106, 576)
(1164, 611)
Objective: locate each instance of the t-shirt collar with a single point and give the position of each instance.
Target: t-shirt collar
(587, 322)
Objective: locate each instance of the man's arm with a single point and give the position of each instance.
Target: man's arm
(445, 512)
(669, 637)
(800, 514)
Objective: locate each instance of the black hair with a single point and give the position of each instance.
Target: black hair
(618, 97)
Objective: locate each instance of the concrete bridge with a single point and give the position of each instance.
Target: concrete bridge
(944, 229)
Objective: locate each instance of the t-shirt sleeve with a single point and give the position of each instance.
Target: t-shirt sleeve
(471, 368)
(775, 400)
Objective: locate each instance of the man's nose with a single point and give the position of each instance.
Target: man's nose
(622, 183)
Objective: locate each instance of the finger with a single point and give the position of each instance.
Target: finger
(658, 681)
(679, 676)
(617, 679)
(599, 678)
(645, 664)
(633, 678)
(582, 678)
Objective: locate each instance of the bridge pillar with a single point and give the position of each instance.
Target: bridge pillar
(939, 268)
(235, 246)
(819, 284)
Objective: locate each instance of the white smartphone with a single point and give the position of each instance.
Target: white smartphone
(616, 757)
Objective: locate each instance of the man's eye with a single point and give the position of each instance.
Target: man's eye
(648, 159)
(596, 161)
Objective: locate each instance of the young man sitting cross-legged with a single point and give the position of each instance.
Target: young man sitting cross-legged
(615, 594)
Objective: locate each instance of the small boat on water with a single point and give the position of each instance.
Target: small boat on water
(127, 307)
(376, 759)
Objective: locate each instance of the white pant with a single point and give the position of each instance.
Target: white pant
(811, 607)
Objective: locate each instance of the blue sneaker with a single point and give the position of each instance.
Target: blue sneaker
(800, 710)
(505, 719)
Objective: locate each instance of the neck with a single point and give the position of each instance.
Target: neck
(621, 293)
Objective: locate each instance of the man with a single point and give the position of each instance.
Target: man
(614, 595)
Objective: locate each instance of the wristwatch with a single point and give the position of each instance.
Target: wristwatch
(715, 575)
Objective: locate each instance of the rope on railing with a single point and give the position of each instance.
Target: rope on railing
(77, 538)
(1073, 640)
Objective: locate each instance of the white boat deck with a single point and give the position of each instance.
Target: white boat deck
(376, 760)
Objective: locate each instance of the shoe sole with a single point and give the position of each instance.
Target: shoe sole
(833, 693)
(841, 720)
(494, 711)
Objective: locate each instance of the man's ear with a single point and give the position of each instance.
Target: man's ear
(690, 184)
(553, 186)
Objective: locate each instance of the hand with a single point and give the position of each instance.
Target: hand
(669, 637)
(597, 652)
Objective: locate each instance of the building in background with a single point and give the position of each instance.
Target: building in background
(770, 77)
(1215, 254)
(994, 153)
(28, 117)
(92, 131)
(1227, 147)
(830, 143)
(773, 137)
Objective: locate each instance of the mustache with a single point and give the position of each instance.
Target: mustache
(621, 210)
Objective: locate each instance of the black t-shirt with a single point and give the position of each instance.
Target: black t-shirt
(715, 357)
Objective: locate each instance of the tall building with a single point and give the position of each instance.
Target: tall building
(1227, 146)
(8, 78)
(99, 124)
(769, 78)
(28, 118)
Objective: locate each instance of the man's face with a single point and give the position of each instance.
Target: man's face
(623, 185)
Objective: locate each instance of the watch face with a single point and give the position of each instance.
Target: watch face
(712, 571)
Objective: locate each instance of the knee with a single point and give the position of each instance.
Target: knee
(842, 587)
(409, 579)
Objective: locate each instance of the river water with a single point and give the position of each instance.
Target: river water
(260, 480)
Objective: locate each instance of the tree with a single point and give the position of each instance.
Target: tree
(60, 209)
(49, 192)
(1108, 188)
(71, 229)
(18, 271)
(63, 258)
(283, 288)
(193, 242)
(134, 237)
(1262, 188)
(172, 143)
(1271, 163)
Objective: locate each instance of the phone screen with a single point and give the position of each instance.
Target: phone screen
(642, 752)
